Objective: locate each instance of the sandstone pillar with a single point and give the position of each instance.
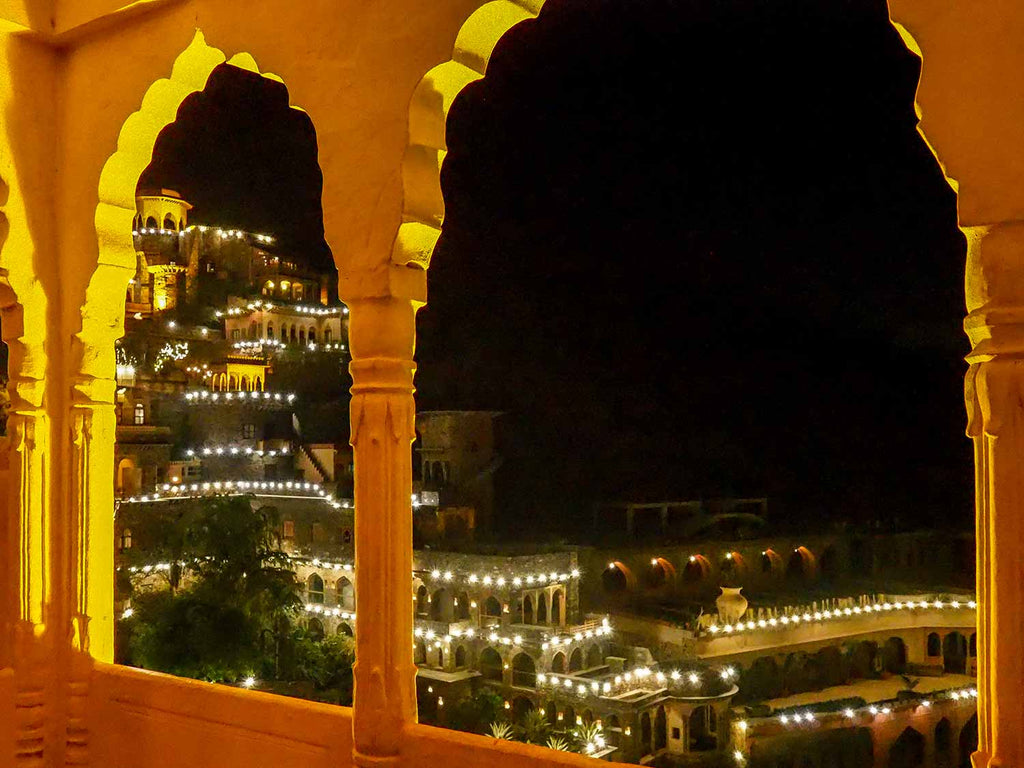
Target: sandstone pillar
(381, 338)
(995, 405)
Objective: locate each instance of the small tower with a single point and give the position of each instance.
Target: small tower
(163, 270)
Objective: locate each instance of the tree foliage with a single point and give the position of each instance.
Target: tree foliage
(231, 605)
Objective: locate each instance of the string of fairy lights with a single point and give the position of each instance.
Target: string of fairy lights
(240, 451)
(487, 580)
(840, 613)
(808, 718)
(232, 234)
(269, 306)
(204, 396)
(278, 488)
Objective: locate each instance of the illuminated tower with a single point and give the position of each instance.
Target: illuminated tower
(163, 275)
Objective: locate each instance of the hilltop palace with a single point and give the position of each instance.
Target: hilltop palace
(642, 626)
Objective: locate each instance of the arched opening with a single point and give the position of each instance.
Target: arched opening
(660, 574)
(345, 629)
(440, 657)
(973, 645)
(422, 604)
(270, 331)
(594, 658)
(968, 741)
(542, 608)
(568, 719)
(697, 570)
(703, 729)
(311, 336)
(558, 663)
(442, 606)
(557, 607)
(908, 750)
(315, 628)
(617, 578)
(894, 656)
(169, 222)
(462, 606)
(943, 744)
(460, 657)
(314, 589)
(613, 730)
(954, 653)
(302, 337)
(576, 660)
(528, 609)
(934, 645)
(129, 477)
(646, 740)
(800, 567)
(732, 567)
(862, 659)
(492, 607)
(490, 664)
(771, 562)
(660, 730)
(346, 594)
(151, 223)
(524, 673)
(419, 654)
(327, 335)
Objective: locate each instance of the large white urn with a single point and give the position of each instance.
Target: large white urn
(731, 604)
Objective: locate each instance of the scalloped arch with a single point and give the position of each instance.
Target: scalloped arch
(115, 211)
(423, 203)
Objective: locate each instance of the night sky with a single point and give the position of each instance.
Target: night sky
(692, 250)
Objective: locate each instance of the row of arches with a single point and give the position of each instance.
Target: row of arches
(315, 629)
(562, 715)
(151, 222)
(225, 382)
(286, 289)
(344, 591)
(447, 606)
(424, 656)
(291, 334)
(769, 677)
(955, 649)
(699, 731)
(801, 566)
(542, 608)
(524, 667)
(909, 749)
